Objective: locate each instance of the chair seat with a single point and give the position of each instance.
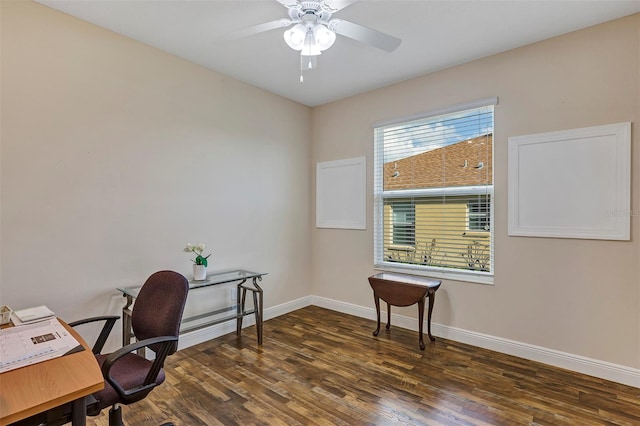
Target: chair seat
(129, 371)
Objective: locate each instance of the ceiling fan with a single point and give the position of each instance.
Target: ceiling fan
(314, 30)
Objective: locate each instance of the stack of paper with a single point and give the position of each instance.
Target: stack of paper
(29, 315)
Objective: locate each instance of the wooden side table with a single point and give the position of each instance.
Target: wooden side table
(404, 290)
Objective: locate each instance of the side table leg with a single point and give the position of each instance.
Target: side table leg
(421, 320)
(377, 301)
(432, 301)
(388, 326)
(388, 316)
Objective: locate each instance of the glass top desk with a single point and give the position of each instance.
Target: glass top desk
(235, 311)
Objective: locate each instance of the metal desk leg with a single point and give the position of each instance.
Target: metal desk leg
(127, 328)
(258, 308)
(260, 298)
(78, 412)
(126, 322)
(256, 313)
(240, 309)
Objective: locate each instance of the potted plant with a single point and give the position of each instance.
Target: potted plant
(200, 262)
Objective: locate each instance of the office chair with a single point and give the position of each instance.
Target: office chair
(155, 319)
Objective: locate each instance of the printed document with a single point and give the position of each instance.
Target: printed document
(32, 343)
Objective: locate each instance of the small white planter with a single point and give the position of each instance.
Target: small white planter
(199, 272)
(5, 315)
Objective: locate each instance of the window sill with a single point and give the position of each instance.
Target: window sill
(453, 275)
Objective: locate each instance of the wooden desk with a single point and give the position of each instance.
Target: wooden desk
(39, 387)
(404, 290)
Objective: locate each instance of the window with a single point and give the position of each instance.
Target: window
(478, 215)
(433, 193)
(403, 222)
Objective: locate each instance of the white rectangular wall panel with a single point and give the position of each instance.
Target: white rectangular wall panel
(341, 193)
(571, 184)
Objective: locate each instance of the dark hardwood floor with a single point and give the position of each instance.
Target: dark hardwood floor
(322, 367)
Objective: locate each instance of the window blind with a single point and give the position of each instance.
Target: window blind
(433, 192)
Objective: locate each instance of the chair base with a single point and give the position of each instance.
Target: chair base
(115, 416)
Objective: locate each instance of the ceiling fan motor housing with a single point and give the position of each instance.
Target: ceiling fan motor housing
(310, 12)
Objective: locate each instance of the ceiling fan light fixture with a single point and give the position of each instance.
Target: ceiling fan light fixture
(296, 36)
(324, 37)
(314, 30)
(310, 47)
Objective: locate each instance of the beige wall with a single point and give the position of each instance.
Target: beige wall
(576, 296)
(115, 155)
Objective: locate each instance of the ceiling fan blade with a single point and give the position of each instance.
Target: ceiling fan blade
(365, 35)
(260, 28)
(335, 5)
(289, 3)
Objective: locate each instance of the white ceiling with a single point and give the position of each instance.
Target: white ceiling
(435, 34)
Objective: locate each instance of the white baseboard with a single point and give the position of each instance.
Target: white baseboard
(593, 367)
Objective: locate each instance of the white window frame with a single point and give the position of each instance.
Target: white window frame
(379, 197)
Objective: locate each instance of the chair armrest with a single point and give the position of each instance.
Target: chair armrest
(109, 322)
(135, 394)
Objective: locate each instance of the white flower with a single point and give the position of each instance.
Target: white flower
(198, 250)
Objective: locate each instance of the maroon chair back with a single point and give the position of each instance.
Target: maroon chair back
(159, 306)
